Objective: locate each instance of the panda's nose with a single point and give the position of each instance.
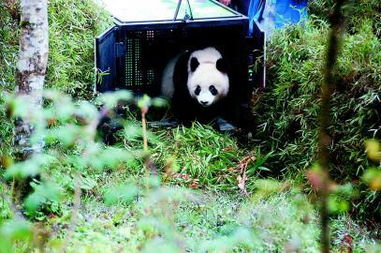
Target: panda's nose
(204, 102)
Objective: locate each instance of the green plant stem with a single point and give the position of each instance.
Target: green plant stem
(145, 146)
(144, 128)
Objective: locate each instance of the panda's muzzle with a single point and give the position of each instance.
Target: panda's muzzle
(204, 103)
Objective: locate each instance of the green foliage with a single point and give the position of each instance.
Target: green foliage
(74, 130)
(168, 218)
(121, 194)
(202, 157)
(157, 214)
(154, 217)
(355, 12)
(9, 30)
(5, 212)
(8, 58)
(373, 178)
(287, 112)
(73, 25)
(42, 193)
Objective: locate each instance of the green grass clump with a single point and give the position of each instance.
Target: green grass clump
(73, 28)
(5, 212)
(289, 108)
(208, 157)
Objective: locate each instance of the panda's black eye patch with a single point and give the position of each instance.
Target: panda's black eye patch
(221, 65)
(194, 64)
(197, 90)
(213, 90)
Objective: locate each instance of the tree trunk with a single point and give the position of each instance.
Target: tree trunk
(30, 77)
(31, 68)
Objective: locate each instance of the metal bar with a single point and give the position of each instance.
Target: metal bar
(177, 10)
(227, 8)
(171, 22)
(190, 10)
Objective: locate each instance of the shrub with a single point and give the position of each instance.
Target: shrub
(73, 26)
(288, 109)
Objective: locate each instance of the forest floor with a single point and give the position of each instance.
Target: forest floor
(181, 214)
(209, 220)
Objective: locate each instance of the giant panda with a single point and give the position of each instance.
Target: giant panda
(198, 85)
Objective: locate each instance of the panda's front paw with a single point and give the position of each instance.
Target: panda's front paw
(225, 126)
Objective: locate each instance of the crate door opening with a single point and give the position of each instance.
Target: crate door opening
(148, 52)
(135, 59)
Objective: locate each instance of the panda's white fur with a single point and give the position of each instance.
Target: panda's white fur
(201, 79)
(205, 75)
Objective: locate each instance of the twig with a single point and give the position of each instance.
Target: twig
(92, 128)
(144, 111)
(144, 127)
(324, 120)
(242, 177)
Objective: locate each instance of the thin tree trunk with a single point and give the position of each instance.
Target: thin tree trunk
(30, 77)
(31, 68)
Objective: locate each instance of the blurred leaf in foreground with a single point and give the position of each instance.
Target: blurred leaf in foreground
(42, 193)
(373, 150)
(372, 177)
(14, 230)
(121, 194)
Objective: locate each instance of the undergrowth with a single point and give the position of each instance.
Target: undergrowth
(206, 158)
(73, 25)
(288, 110)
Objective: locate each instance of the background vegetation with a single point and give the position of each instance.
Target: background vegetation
(205, 175)
(287, 111)
(73, 25)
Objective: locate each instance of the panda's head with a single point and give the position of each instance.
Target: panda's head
(208, 81)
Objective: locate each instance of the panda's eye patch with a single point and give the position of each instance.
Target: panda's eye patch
(197, 90)
(213, 90)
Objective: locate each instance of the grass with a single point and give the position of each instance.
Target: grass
(208, 156)
(274, 217)
(71, 57)
(215, 217)
(288, 109)
(211, 220)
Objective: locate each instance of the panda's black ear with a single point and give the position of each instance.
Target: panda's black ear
(194, 64)
(221, 65)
